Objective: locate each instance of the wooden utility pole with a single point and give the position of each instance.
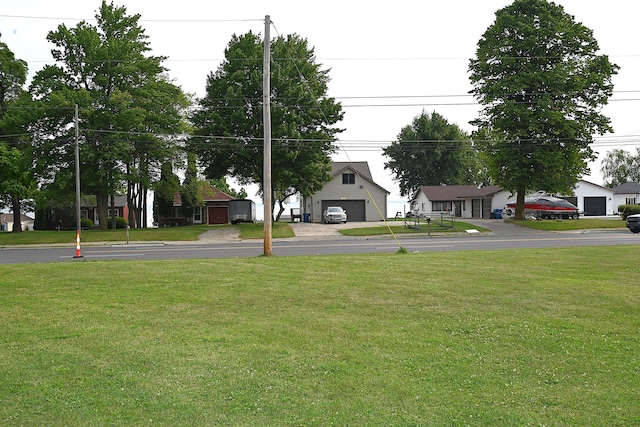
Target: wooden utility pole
(266, 106)
(78, 219)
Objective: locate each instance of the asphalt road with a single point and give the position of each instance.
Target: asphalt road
(323, 241)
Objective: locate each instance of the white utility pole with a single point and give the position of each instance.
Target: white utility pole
(266, 105)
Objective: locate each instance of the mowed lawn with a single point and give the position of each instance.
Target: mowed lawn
(501, 338)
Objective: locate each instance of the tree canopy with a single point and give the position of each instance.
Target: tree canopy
(17, 182)
(542, 85)
(432, 151)
(619, 167)
(125, 101)
(229, 123)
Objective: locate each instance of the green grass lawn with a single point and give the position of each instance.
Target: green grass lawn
(421, 228)
(280, 230)
(165, 234)
(568, 225)
(511, 338)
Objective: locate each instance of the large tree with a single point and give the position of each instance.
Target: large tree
(17, 182)
(620, 166)
(432, 151)
(125, 99)
(229, 123)
(542, 85)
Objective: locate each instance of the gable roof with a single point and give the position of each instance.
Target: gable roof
(628, 188)
(8, 217)
(362, 168)
(441, 193)
(209, 193)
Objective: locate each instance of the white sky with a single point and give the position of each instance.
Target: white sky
(415, 53)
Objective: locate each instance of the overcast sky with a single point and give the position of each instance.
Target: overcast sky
(389, 61)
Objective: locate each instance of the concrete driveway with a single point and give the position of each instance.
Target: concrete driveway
(317, 229)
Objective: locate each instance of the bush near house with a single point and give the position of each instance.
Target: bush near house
(120, 222)
(626, 210)
(86, 223)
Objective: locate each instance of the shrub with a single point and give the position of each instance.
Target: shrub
(86, 223)
(120, 222)
(626, 210)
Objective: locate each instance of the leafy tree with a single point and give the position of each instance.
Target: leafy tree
(542, 85)
(190, 189)
(164, 190)
(432, 151)
(229, 123)
(222, 185)
(17, 182)
(125, 101)
(619, 167)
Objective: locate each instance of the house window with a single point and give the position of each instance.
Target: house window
(197, 215)
(348, 178)
(84, 213)
(441, 206)
(113, 212)
(631, 201)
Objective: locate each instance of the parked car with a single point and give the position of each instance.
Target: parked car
(633, 223)
(334, 214)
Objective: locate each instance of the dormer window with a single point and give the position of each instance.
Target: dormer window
(348, 178)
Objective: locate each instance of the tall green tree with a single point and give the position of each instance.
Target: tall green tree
(125, 100)
(432, 151)
(620, 166)
(190, 189)
(164, 190)
(17, 182)
(542, 85)
(229, 123)
(222, 185)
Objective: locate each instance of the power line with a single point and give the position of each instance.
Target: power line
(140, 20)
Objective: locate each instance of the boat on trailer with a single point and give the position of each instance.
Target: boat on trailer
(544, 206)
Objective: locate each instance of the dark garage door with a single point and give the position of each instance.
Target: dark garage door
(217, 215)
(355, 208)
(595, 206)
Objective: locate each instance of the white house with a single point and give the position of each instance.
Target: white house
(352, 188)
(6, 222)
(463, 201)
(626, 194)
(593, 199)
(469, 201)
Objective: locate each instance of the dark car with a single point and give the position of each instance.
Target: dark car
(633, 223)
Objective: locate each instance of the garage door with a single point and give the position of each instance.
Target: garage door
(355, 208)
(217, 215)
(595, 206)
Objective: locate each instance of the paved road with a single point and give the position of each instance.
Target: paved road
(318, 239)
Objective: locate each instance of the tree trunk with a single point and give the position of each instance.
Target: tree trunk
(101, 206)
(17, 224)
(280, 210)
(144, 219)
(519, 215)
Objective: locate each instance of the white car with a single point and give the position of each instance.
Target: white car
(334, 214)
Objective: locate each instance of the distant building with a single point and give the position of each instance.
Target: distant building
(6, 222)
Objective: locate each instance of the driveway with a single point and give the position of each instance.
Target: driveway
(496, 227)
(317, 229)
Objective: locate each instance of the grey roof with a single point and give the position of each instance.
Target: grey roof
(441, 193)
(628, 188)
(8, 217)
(361, 167)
